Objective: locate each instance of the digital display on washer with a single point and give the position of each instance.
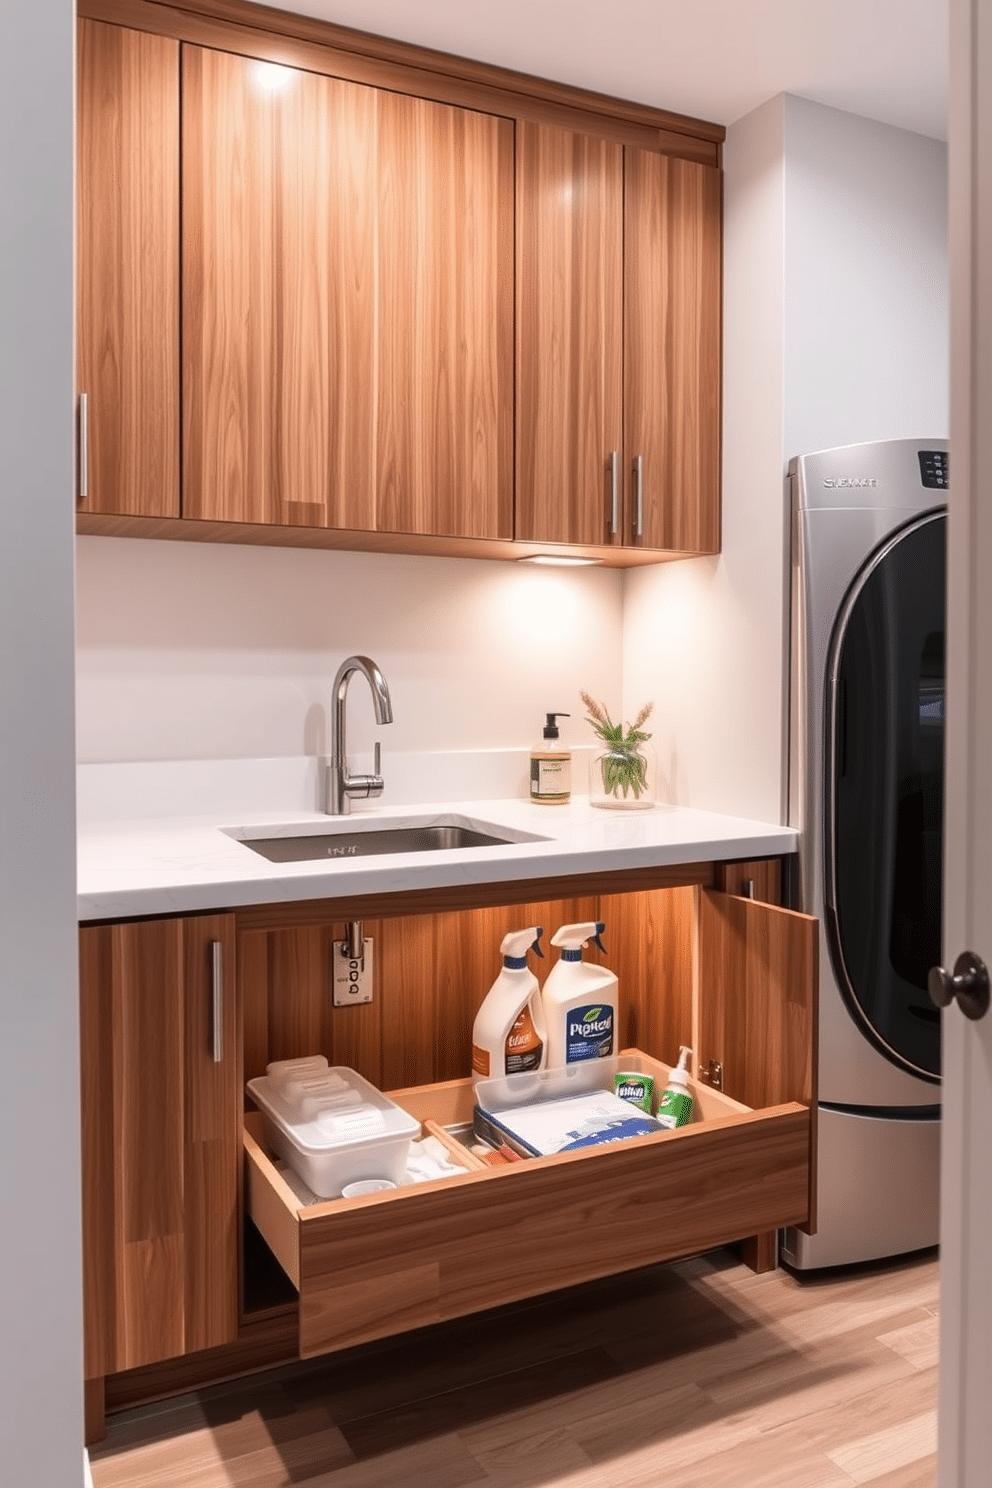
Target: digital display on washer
(934, 469)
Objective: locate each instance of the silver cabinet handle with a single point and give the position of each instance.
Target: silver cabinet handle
(614, 492)
(83, 474)
(639, 496)
(217, 983)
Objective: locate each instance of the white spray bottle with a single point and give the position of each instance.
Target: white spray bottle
(580, 1000)
(508, 1035)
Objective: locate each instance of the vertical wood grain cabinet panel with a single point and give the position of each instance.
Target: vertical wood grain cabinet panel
(445, 320)
(758, 1005)
(278, 294)
(347, 304)
(430, 975)
(211, 1134)
(127, 267)
(758, 998)
(650, 941)
(672, 328)
(569, 329)
(160, 1143)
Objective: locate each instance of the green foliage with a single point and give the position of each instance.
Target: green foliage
(623, 768)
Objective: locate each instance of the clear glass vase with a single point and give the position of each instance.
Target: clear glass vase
(623, 779)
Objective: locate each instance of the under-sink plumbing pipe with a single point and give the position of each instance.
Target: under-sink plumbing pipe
(353, 944)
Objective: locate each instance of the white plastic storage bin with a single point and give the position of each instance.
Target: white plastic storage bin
(331, 1126)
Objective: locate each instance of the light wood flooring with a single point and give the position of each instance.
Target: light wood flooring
(699, 1374)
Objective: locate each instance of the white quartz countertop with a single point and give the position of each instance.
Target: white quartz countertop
(176, 865)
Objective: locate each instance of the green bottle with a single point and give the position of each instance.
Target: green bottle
(675, 1105)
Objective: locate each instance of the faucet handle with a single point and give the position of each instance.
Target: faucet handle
(377, 764)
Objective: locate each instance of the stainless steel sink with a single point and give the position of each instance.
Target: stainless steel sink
(370, 841)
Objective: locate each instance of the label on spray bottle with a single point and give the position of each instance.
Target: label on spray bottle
(522, 1052)
(524, 1048)
(589, 1032)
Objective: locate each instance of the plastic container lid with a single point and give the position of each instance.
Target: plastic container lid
(323, 1110)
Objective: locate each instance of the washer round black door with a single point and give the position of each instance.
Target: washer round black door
(884, 793)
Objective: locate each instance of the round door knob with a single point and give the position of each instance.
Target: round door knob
(969, 983)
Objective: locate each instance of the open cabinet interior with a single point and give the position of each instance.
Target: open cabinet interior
(731, 977)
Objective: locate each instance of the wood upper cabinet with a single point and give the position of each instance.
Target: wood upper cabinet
(618, 344)
(278, 294)
(160, 1140)
(569, 333)
(310, 299)
(672, 329)
(347, 304)
(444, 342)
(127, 345)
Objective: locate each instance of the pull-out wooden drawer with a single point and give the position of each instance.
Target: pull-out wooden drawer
(383, 1263)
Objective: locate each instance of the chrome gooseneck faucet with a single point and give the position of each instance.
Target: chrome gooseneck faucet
(341, 786)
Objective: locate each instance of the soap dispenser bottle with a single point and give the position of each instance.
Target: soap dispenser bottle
(580, 999)
(675, 1102)
(551, 766)
(508, 1035)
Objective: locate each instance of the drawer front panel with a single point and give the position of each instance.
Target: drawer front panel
(443, 1250)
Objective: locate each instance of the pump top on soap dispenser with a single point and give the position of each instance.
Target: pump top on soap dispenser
(551, 766)
(580, 999)
(675, 1102)
(508, 1035)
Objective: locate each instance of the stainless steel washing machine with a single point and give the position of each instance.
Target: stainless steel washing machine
(866, 793)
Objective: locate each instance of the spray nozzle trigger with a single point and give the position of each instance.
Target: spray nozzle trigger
(515, 945)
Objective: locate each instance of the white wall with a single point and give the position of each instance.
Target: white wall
(189, 650)
(866, 281)
(835, 331)
(41, 1430)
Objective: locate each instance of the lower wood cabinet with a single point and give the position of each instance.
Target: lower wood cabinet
(161, 1131)
(166, 1140)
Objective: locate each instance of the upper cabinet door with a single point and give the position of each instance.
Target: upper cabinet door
(347, 304)
(278, 294)
(127, 345)
(445, 320)
(569, 328)
(672, 328)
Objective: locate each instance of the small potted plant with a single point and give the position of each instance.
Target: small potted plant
(621, 773)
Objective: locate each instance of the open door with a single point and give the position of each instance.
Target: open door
(965, 1421)
(757, 1005)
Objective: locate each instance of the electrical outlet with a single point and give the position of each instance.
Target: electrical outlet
(351, 981)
